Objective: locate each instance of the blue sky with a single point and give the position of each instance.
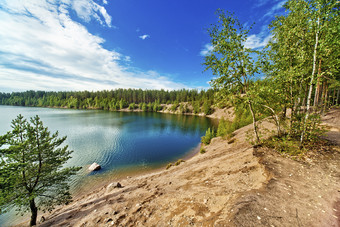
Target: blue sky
(65, 45)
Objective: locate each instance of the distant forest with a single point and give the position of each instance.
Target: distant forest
(146, 100)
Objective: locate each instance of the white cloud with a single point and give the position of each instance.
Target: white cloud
(275, 9)
(206, 49)
(144, 36)
(43, 48)
(88, 9)
(257, 41)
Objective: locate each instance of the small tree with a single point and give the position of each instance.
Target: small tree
(209, 134)
(230, 60)
(32, 175)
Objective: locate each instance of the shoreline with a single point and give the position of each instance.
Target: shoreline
(126, 110)
(232, 184)
(134, 173)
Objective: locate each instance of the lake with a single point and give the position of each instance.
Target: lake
(123, 143)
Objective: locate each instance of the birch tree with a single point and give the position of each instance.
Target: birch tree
(231, 61)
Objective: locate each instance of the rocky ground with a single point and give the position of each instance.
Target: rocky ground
(232, 184)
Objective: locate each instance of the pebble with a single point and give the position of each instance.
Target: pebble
(258, 217)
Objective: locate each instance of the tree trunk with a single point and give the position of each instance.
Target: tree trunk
(326, 98)
(311, 82)
(276, 119)
(337, 97)
(317, 89)
(254, 122)
(34, 213)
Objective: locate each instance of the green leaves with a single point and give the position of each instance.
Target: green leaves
(31, 166)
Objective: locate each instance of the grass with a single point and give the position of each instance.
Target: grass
(179, 161)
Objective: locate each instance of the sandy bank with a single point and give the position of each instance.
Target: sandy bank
(232, 184)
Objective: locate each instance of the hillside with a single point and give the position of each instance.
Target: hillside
(232, 184)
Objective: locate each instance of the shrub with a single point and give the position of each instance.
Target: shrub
(174, 107)
(209, 134)
(169, 165)
(202, 150)
(132, 106)
(179, 161)
(225, 128)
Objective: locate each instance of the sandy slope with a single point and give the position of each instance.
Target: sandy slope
(232, 184)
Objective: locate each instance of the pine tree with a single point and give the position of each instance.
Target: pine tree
(32, 175)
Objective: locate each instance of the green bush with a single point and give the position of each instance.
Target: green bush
(179, 161)
(202, 150)
(225, 128)
(209, 134)
(174, 107)
(132, 106)
(207, 108)
(169, 165)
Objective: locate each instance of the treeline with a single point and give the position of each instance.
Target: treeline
(300, 65)
(146, 100)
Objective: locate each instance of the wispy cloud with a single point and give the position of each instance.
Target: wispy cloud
(88, 9)
(43, 48)
(275, 9)
(257, 41)
(206, 49)
(143, 37)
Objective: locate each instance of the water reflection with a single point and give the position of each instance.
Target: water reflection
(122, 143)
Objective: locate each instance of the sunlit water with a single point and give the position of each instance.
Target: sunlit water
(122, 143)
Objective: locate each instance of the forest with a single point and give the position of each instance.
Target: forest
(293, 80)
(146, 100)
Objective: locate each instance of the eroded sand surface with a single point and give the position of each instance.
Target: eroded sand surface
(232, 184)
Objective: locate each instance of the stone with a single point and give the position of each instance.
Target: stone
(114, 185)
(94, 167)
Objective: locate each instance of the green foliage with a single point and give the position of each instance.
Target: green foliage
(202, 150)
(242, 117)
(284, 145)
(144, 107)
(314, 129)
(132, 106)
(174, 107)
(169, 165)
(31, 168)
(207, 108)
(225, 128)
(209, 134)
(196, 107)
(179, 161)
(103, 99)
(231, 61)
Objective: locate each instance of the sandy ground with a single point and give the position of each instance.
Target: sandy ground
(232, 184)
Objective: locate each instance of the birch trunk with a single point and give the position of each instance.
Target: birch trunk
(317, 89)
(254, 122)
(311, 83)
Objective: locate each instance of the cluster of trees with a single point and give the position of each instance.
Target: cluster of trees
(301, 66)
(146, 100)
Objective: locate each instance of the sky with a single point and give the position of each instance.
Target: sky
(65, 45)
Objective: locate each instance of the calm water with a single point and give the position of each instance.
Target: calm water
(122, 143)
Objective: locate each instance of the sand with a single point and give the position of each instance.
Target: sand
(232, 184)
